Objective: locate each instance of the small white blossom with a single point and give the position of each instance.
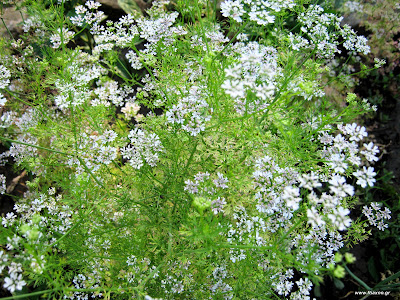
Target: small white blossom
(370, 152)
(365, 177)
(233, 9)
(144, 147)
(14, 282)
(339, 187)
(291, 195)
(2, 184)
(339, 218)
(314, 218)
(379, 62)
(61, 37)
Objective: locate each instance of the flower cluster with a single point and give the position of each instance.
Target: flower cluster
(206, 190)
(245, 230)
(25, 147)
(22, 150)
(178, 278)
(93, 151)
(128, 29)
(81, 281)
(134, 60)
(315, 248)
(5, 75)
(143, 146)
(365, 176)
(61, 37)
(13, 282)
(217, 286)
(343, 150)
(2, 184)
(282, 283)
(274, 184)
(38, 224)
(87, 14)
(211, 40)
(376, 215)
(138, 270)
(191, 112)
(131, 109)
(261, 12)
(73, 88)
(316, 25)
(251, 81)
(109, 92)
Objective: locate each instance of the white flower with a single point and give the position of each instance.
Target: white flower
(370, 152)
(367, 211)
(62, 36)
(14, 282)
(217, 206)
(304, 285)
(232, 9)
(381, 225)
(130, 109)
(5, 75)
(337, 162)
(92, 4)
(144, 146)
(356, 132)
(385, 214)
(261, 17)
(221, 181)
(3, 100)
(339, 187)
(134, 60)
(192, 112)
(376, 216)
(291, 195)
(2, 184)
(339, 218)
(309, 181)
(314, 218)
(365, 177)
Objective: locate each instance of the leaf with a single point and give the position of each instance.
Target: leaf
(338, 283)
(130, 7)
(372, 269)
(317, 291)
(390, 278)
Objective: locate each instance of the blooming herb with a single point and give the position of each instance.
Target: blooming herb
(178, 152)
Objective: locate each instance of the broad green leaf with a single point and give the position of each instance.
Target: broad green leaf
(130, 6)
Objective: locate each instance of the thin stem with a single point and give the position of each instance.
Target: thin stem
(25, 296)
(231, 41)
(34, 146)
(8, 30)
(357, 279)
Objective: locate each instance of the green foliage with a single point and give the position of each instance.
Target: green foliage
(173, 162)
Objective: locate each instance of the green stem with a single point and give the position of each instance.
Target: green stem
(25, 296)
(190, 158)
(8, 30)
(390, 278)
(34, 146)
(357, 279)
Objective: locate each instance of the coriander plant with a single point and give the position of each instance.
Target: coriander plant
(184, 152)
